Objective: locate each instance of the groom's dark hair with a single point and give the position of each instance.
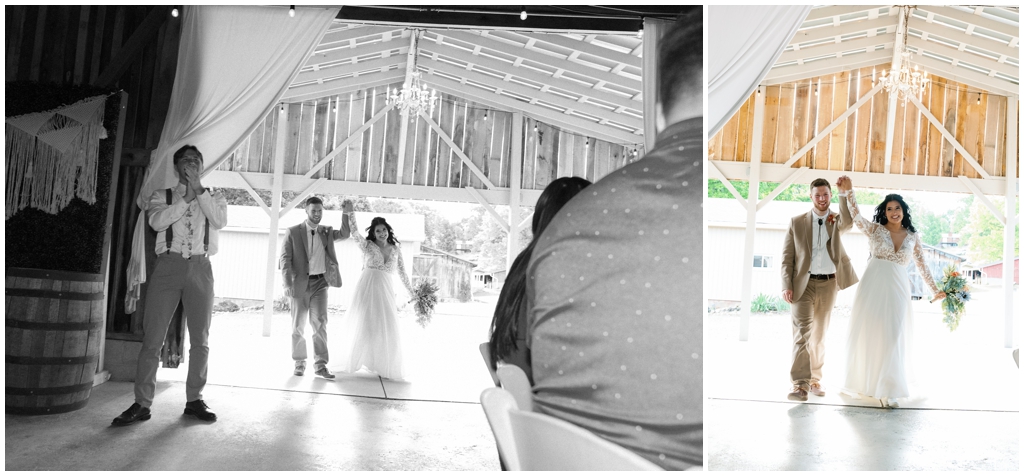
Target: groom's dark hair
(313, 201)
(820, 182)
(681, 57)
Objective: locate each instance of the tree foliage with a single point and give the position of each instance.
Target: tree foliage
(985, 240)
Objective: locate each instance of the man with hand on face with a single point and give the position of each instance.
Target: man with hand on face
(186, 219)
(814, 268)
(309, 265)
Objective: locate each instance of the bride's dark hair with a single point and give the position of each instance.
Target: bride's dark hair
(373, 225)
(880, 211)
(512, 298)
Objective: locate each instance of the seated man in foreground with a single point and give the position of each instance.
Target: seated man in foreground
(615, 284)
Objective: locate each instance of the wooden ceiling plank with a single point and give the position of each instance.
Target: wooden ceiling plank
(527, 91)
(551, 61)
(341, 70)
(976, 20)
(584, 47)
(966, 76)
(534, 76)
(341, 86)
(792, 73)
(838, 10)
(344, 36)
(940, 49)
(980, 42)
(834, 48)
(573, 124)
(342, 54)
(818, 34)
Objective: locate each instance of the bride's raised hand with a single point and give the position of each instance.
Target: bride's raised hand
(941, 295)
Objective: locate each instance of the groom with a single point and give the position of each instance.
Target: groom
(814, 268)
(309, 264)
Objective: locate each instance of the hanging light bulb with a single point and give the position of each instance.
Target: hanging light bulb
(291, 11)
(522, 14)
(979, 98)
(485, 115)
(174, 12)
(640, 31)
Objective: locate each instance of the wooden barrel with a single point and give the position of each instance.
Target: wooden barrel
(54, 323)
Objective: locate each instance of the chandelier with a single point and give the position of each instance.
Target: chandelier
(901, 80)
(414, 97)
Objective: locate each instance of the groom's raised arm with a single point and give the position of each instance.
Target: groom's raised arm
(845, 217)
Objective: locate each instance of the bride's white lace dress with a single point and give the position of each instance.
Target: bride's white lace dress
(879, 359)
(369, 330)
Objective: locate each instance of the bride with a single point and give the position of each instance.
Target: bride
(369, 330)
(878, 362)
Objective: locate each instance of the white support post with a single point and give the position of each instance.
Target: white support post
(752, 196)
(1009, 235)
(514, 186)
(410, 70)
(897, 63)
(275, 209)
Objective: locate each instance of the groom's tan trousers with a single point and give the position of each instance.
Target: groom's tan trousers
(811, 314)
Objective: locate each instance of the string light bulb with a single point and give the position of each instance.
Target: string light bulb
(522, 14)
(979, 98)
(174, 12)
(291, 11)
(640, 31)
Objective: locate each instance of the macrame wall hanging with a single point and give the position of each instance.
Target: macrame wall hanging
(52, 156)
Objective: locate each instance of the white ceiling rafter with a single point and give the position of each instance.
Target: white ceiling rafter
(974, 45)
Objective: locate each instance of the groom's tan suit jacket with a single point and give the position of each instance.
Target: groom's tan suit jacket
(796, 249)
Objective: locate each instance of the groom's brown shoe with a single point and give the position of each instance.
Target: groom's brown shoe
(798, 394)
(817, 390)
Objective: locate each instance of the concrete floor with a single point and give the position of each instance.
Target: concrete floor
(966, 415)
(269, 419)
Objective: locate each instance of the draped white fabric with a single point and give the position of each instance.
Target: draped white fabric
(743, 42)
(234, 64)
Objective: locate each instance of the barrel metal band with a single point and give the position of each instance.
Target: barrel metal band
(53, 326)
(49, 293)
(19, 360)
(49, 390)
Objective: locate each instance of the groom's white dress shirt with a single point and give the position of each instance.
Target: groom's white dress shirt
(821, 262)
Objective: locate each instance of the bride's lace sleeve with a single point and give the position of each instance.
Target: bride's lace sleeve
(401, 271)
(862, 223)
(922, 266)
(355, 233)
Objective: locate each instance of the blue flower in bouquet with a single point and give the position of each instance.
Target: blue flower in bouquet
(957, 293)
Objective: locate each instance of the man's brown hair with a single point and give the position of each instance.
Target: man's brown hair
(820, 182)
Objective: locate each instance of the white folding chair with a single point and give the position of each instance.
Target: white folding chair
(485, 351)
(514, 380)
(498, 404)
(545, 443)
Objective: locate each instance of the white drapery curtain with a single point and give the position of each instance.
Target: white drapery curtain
(234, 64)
(743, 42)
(653, 31)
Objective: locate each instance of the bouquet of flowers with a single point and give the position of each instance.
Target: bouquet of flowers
(425, 298)
(957, 293)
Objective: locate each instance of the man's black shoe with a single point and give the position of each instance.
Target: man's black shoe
(198, 409)
(133, 414)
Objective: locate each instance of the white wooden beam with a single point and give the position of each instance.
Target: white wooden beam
(805, 53)
(458, 151)
(897, 64)
(779, 172)
(782, 187)
(276, 186)
(550, 98)
(949, 137)
(532, 55)
(296, 183)
(839, 120)
(343, 85)
(527, 222)
(977, 60)
(533, 75)
(378, 64)
(1011, 190)
(984, 43)
(753, 193)
(984, 199)
(346, 54)
(483, 201)
(966, 76)
(410, 70)
(515, 186)
(255, 196)
(583, 47)
(341, 147)
(837, 11)
(972, 19)
(818, 34)
(302, 196)
(574, 124)
(714, 172)
(339, 37)
(797, 72)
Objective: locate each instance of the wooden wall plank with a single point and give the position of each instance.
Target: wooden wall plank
(98, 42)
(729, 132)
(81, 45)
(354, 152)
(389, 147)
(910, 141)
(291, 141)
(564, 154)
(784, 127)
(948, 118)
(375, 164)
(896, 162)
(990, 162)
(473, 143)
(418, 164)
(603, 154)
(342, 114)
(252, 161)
(529, 153)
(457, 169)
(974, 135)
(961, 128)
(304, 145)
(743, 130)
(14, 23)
(879, 112)
(329, 129)
(801, 112)
(37, 45)
(547, 156)
(497, 156)
(1001, 158)
(840, 103)
(591, 149)
(444, 152)
(579, 155)
(850, 147)
(936, 106)
(863, 136)
(367, 142)
(823, 149)
(318, 147)
(771, 124)
(64, 65)
(921, 165)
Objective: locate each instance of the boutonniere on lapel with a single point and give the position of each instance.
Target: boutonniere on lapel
(832, 218)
